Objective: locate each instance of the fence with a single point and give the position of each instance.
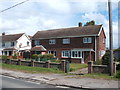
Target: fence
(100, 68)
(64, 65)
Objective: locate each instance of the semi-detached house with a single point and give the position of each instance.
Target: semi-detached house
(14, 43)
(76, 44)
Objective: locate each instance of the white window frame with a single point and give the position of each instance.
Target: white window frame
(104, 40)
(52, 41)
(77, 54)
(37, 42)
(66, 41)
(54, 52)
(87, 40)
(28, 43)
(66, 54)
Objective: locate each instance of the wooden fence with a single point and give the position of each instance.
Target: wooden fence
(64, 65)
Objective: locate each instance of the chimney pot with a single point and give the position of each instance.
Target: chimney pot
(3, 33)
(80, 24)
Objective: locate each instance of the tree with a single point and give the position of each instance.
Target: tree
(90, 23)
(106, 58)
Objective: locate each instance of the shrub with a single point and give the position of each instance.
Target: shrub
(34, 56)
(72, 69)
(4, 57)
(118, 75)
(106, 58)
(118, 67)
(15, 56)
(98, 62)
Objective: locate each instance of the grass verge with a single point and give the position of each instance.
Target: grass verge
(30, 69)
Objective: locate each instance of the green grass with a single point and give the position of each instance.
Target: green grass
(74, 66)
(30, 69)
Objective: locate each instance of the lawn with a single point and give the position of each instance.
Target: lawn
(75, 66)
(30, 69)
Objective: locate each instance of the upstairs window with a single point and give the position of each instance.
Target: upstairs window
(103, 40)
(87, 40)
(52, 41)
(28, 43)
(66, 41)
(3, 44)
(37, 42)
(12, 44)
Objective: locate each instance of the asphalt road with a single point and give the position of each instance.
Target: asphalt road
(8, 82)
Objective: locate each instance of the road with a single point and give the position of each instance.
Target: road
(8, 82)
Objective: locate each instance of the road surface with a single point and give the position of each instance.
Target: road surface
(9, 82)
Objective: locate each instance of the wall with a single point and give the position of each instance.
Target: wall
(23, 40)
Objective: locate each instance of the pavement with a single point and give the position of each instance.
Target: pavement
(73, 81)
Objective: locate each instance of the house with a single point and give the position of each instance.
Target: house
(76, 44)
(14, 43)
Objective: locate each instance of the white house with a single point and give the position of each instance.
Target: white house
(14, 43)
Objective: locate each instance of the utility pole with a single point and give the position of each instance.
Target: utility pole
(110, 37)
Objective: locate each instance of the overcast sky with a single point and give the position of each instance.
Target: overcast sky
(36, 15)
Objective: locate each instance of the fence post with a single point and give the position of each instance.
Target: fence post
(67, 67)
(9, 61)
(90, 68)
(48, 64)
(32, 63)
(19, 62)
(63, 65)
(114, 68)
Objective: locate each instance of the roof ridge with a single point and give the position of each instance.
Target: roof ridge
(69, 28)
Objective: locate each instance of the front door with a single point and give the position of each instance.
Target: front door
(82, 59)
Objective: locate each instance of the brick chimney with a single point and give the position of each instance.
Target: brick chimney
(3, 33)
(80, 24)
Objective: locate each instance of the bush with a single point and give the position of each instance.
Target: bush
(4, 57)
(118, 75)
(72, 69)
(106, 58)
(118, 67)
(34, 56)
(15, 56)
(98, 62)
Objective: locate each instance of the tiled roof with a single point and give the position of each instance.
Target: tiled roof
(11, 37)
(68, 32)
(38, 48)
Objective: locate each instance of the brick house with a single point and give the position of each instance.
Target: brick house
(76, 44)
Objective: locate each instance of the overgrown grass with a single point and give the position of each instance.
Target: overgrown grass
(30, 69)
(75, 66)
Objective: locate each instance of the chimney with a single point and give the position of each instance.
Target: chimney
(3, 33)
(80, 24)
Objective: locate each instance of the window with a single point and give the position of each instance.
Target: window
(103, 40)
(66, 54)
(52, 52)
(66, 41)
(28, 43)
(87, 40)
(37, 42)
(12, 43)
(3, 44)
(76, 54)
(52, 41)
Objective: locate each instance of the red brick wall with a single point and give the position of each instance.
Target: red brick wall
(100, 44)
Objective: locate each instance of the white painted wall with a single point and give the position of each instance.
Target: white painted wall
(23, 41)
